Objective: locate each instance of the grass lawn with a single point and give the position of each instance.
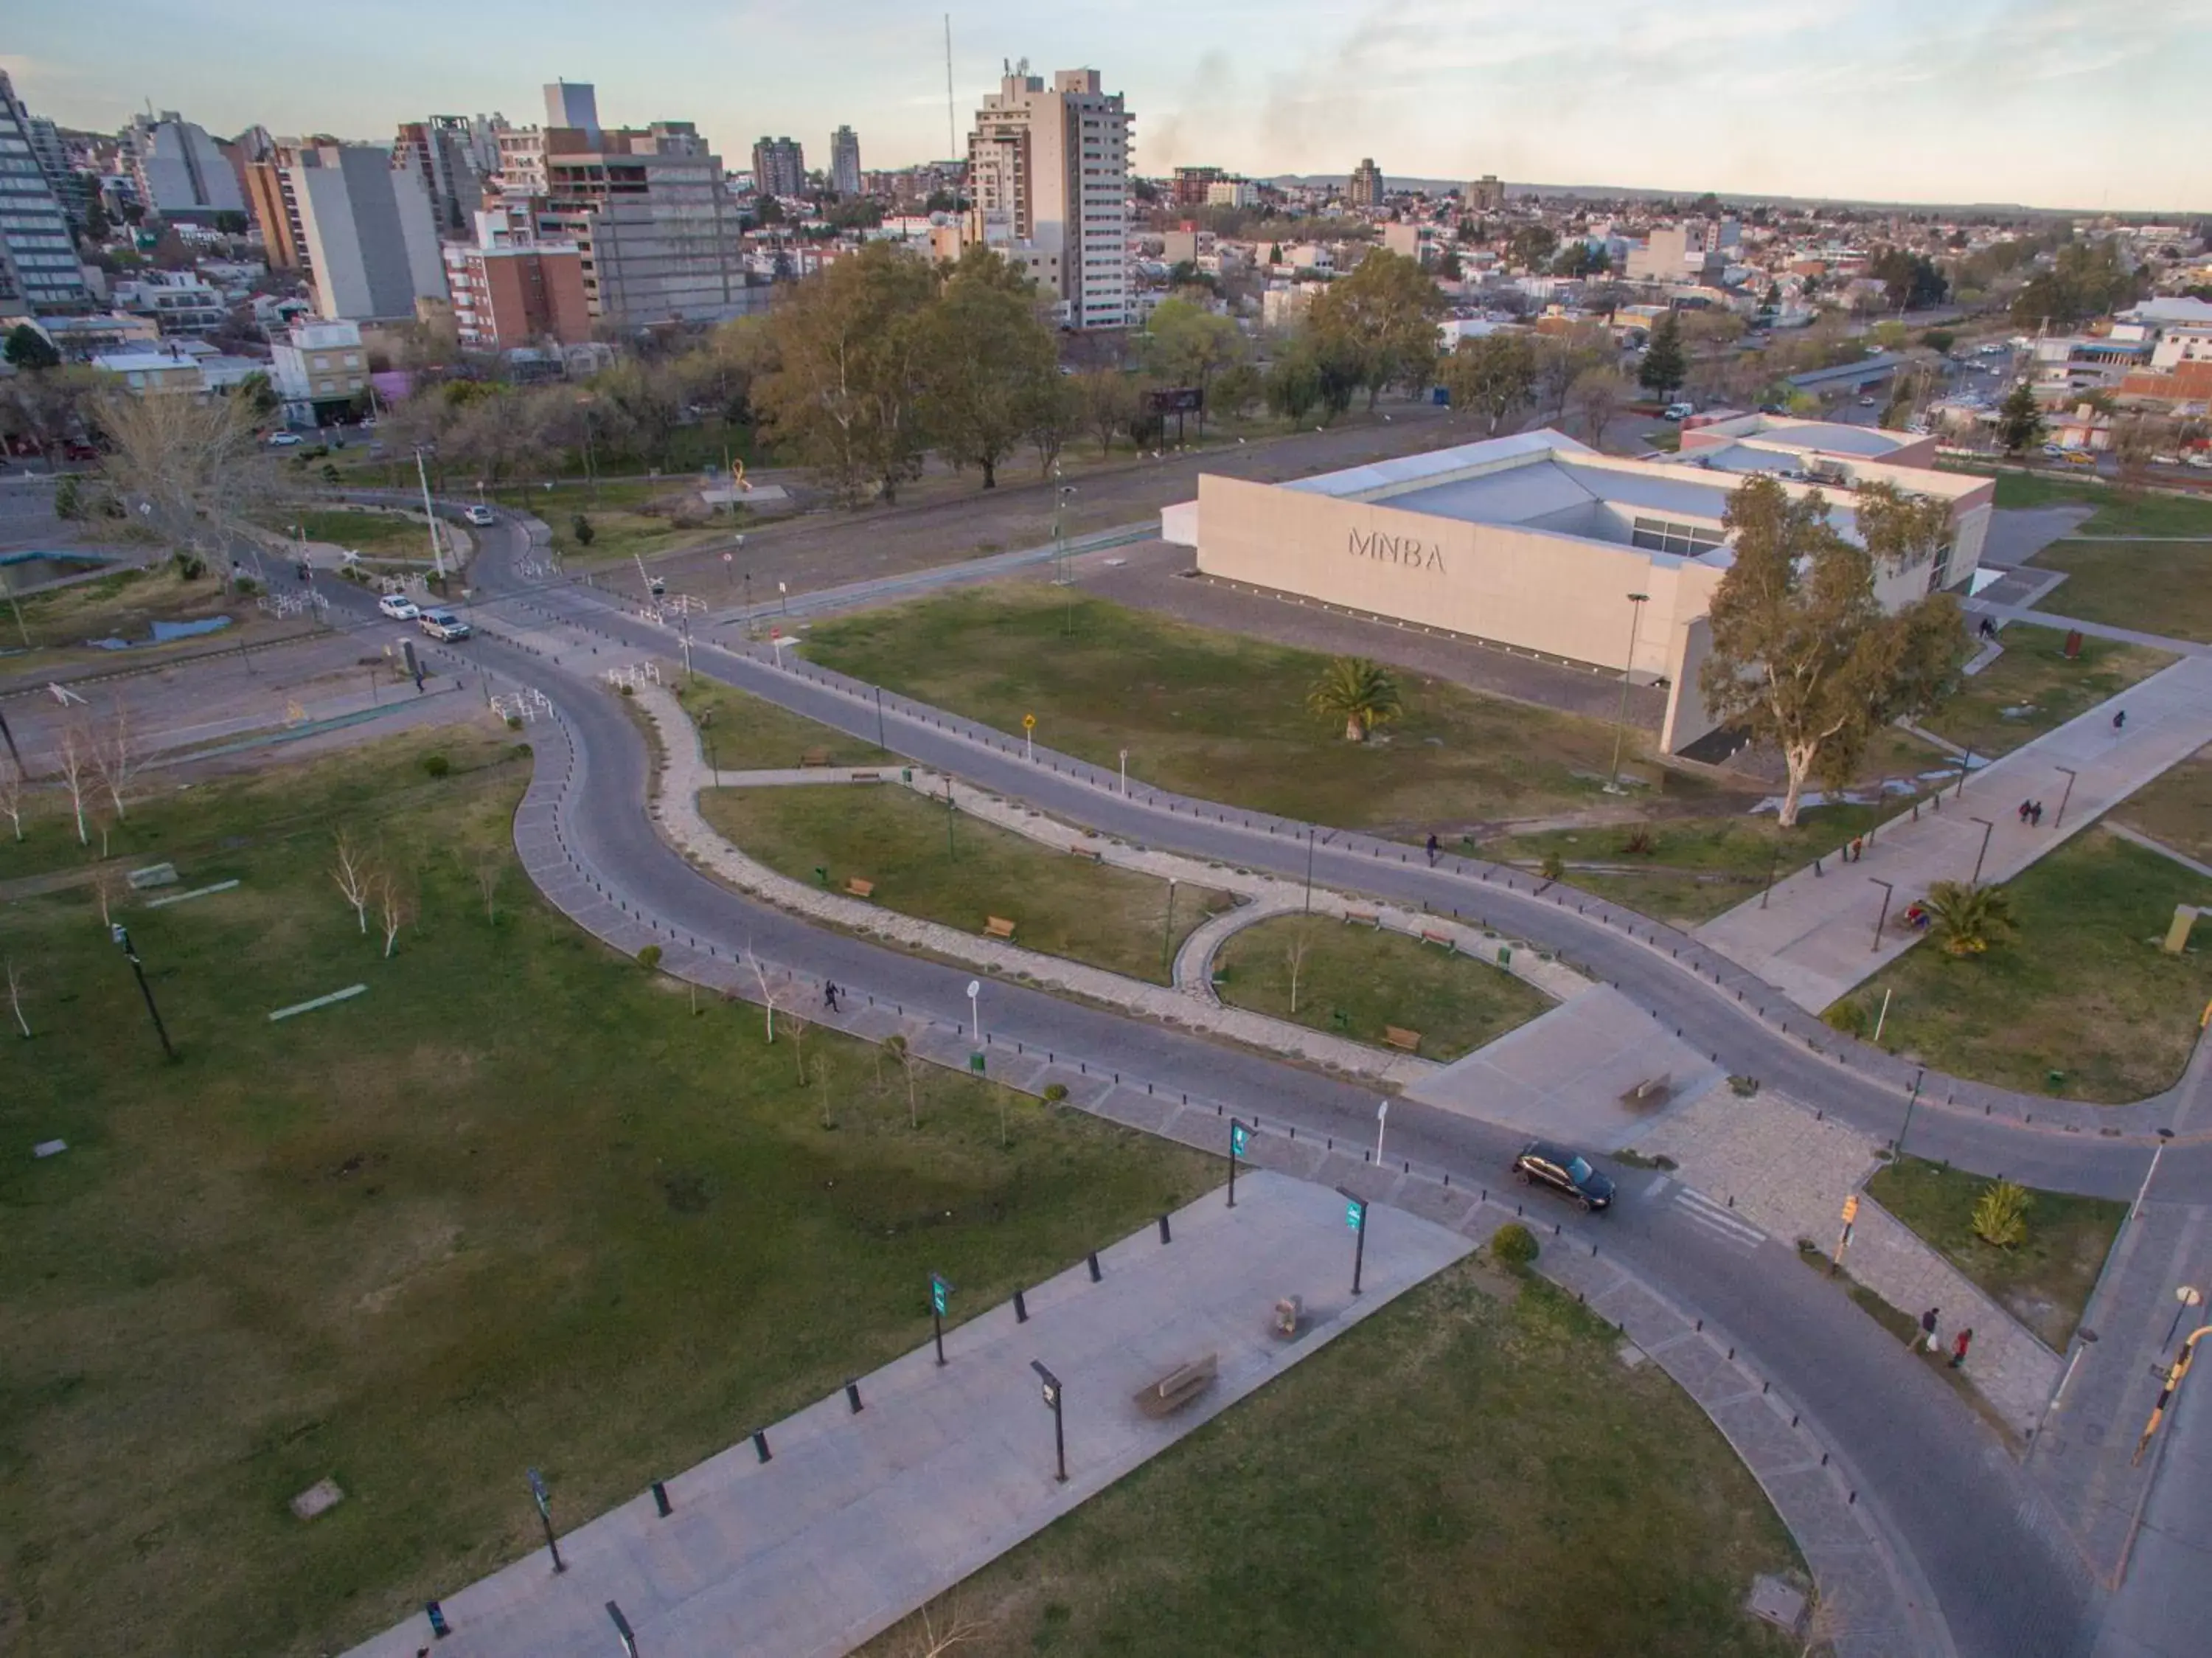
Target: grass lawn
(1222, 716)
(1356, 980)
(618, 534)
(377, 534)
(2034, 677)
(1066, 907)
(2176, 808)
(123, 604)
(518, 1204)
(748, 734)
(2082, 988)
(2154, 586)
(2045, 1282)
(1461, 1474)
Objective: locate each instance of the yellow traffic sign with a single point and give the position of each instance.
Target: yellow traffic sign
(1029, 721)
(1852, 1207)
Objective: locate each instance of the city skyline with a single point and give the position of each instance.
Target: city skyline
(2028, 102)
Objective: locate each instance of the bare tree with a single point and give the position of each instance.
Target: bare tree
(15, 977)
(897, 1047)
(189, 471)
(108, 885)
(15, 793)
(795, 1027)
(356, 878)
(768, 1002)
(76, 754)
(490, 868)
(1295, 959)
(115, 757)
(394, 907)
(937, 1629)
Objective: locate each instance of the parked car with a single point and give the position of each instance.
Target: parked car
(481, 515)
(443, 624)
(2165, 461)
(400, 607)
(2080, 458)
(2202, 460)
(1677, 411)
(1866, 403)
(1541, 1163)
(283, 440)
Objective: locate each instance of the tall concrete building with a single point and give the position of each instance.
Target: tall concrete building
(779, 167)
(456, 157)
(845, 161)
(38, 268)
(1048, 175)
(1483, 195)
(1366, 188)
(573, 104)
(181, 172)
(359, 225)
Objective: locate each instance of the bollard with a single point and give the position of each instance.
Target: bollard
(660, 1498)
(853, 1396)
(1165, 1236)
(1095, 1274)
(1021, 1308)
(436, 1614)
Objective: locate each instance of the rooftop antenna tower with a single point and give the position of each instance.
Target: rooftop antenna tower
(950, 151)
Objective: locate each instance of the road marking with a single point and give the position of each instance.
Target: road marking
(1659, 1188)
(1703, 1211)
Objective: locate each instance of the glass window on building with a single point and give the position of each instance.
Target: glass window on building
(1685, 540)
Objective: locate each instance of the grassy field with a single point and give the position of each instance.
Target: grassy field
(2154, 586)
(1224, 717)
(621, 533)
(1066, 907)
(517, 1205)
(1461, 1474)
(747, 733)
(376, 534)
(2081, 989)
(2045, 1282)
(2177, 808)
(2118, 512)
(123, 605)
(2034, 677)
(1356, 980)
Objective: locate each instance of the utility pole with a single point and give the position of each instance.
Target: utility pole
(122, 936)
(437, 552)
(1636, 602)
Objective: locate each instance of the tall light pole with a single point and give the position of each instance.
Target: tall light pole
(437, 554)
(1167, 937)
(976, 1009)
(2070, 774)
(1986, 827)
(122, 936)
(1636, 603)
(1052, 1394)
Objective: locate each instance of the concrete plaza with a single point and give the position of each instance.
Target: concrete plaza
(1815, 936)
(859, 1518)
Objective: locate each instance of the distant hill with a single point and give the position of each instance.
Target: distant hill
(1727, 198)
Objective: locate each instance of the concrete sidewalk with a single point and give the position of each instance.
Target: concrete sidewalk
(1815, 937)
(859, 1519)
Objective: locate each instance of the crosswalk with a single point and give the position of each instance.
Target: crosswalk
(1717, 1219)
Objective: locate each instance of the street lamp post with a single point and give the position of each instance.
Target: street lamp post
(1382, 1116)
(1238, 1134)
(2070, 774)
(949, 810)
(1167, 935)
(539, 1496)
(1773, 862)
(1309, 858)
(1986, 827)
(1355, 1216)
(2142, 1191)
(1910, 1104)
(1124, 774)
(122, 936)
(1882, 920)
(1965, 764)
(975, 1008)
(1052, 1397)
(880, 742)
(1636, 603)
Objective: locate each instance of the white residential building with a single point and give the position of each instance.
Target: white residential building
(38, 268)
(318, 362)
(1049, 171)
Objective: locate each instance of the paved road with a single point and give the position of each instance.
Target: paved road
(2008, 1579)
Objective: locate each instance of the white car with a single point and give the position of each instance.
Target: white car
(481, 515)
(283, 440)
(2165, 461)
(1866, 403)
(2201, 460)
(1677, 411)
(442, 625)
(400, 607)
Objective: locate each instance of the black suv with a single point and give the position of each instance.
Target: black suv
(1569, 1171)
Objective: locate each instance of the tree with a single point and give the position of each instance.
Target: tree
(1378, 325)
(1802, 654)
(1294, 382)
(1560, 357)
(2000, 1216)
(1597, 396)
(1186, 345)
(841, 389)
(115, 757)
(1532, 245)
(394, 909)
(49, 406)
(1494, 376)
(2020, 420)
(69, 499)
(256, 394)
(192, 471)
(1910, 281)
(1107, 398)
(1294, 957)
(1966, 920)
(897, 1047)
(356, 878)
(1360, 694)
(490, 868)
(985, 360)
(580, 527)
(15, 977)
(29, 351)
(1663, 368)
(15, 793)
(75, 749)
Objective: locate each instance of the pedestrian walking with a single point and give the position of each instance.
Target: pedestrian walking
(2026, 806)
(829, 995)
(1959, 1345)
(1927, 1327)
(1816, 865)
(2035, 815)
(1434, 848)
(2120, 719)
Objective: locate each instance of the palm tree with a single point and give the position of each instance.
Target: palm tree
(1967, 920)
(1361, 693)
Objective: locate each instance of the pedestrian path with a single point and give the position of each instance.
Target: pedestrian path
(872, 1502)
(1814, 935)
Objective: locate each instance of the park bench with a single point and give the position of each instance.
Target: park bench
(1091, 852)
(1370, 918)
(1179, 1387)
(998, 927)
(815, 757)
(1409, 1041)
(1430, 936)
(1651, 1091)
(860, 888)
(867, 777)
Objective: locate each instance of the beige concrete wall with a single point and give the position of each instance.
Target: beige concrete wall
(1687, 719)
(1555, 593)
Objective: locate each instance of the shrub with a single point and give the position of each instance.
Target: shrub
(1514, 1245)
(1743, 1086)
(1641, 842)
(523, 751)
(2001, 1214)
(629, 690)
(649, 957)
(514, 722)
(437, 764)
(1553, 867)
(1055, 1092)
(1847, 1016)
(580, 527)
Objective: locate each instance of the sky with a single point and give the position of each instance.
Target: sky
(2096, 104)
